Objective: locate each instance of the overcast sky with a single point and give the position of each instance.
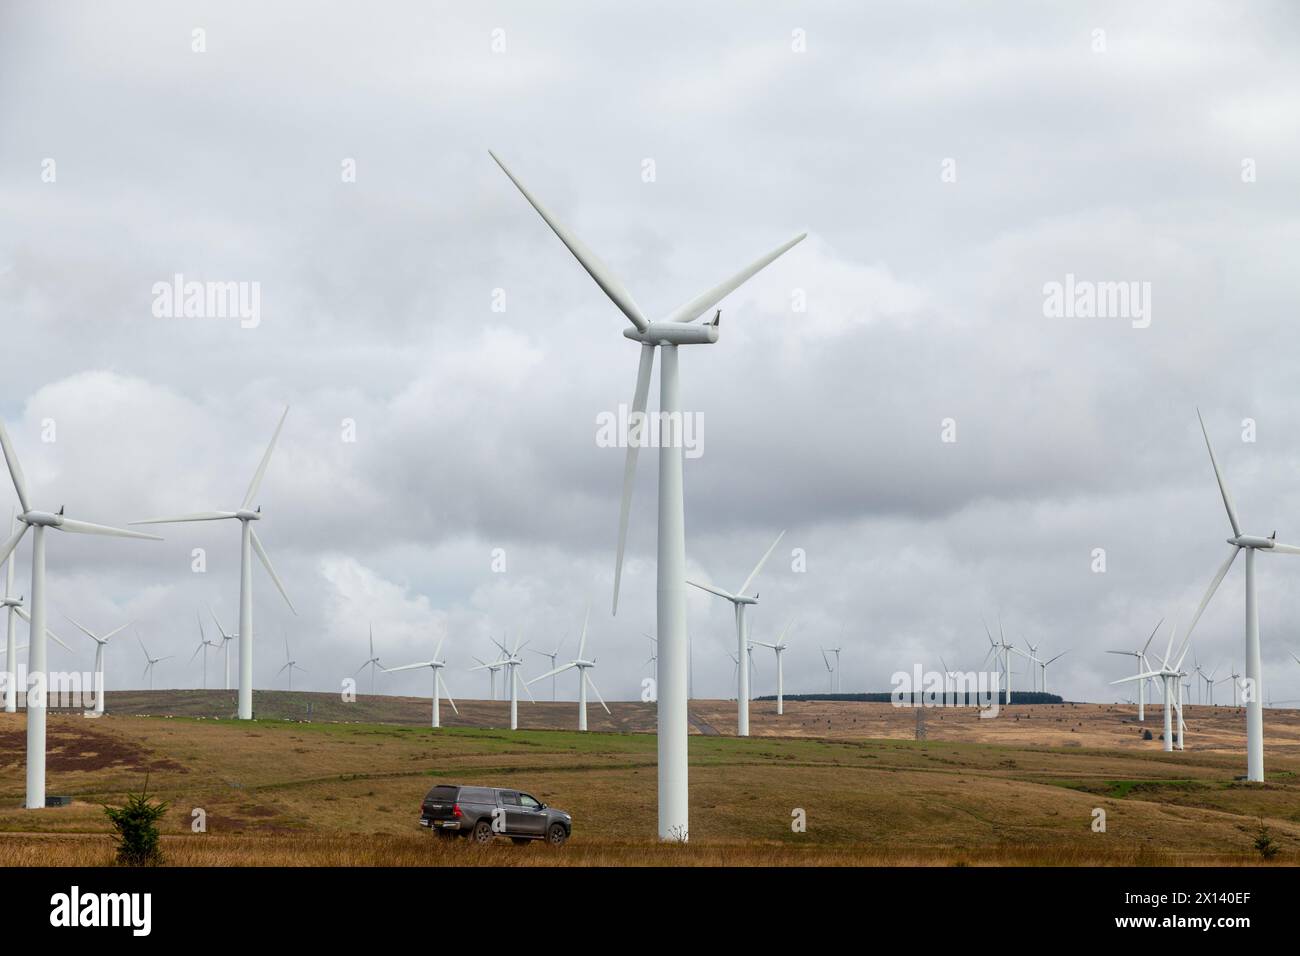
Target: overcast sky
(1117, 156)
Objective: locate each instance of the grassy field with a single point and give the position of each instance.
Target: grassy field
(1017, 790)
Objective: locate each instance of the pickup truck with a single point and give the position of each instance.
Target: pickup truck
(485, 813)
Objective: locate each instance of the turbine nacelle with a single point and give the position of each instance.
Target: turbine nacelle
(674, 333)
(245, 514)
(1253, 541)
(42, 518)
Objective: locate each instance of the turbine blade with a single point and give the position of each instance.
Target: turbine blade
(644, 368)
(582, 641)
(85, 631)
(266, 460)
(1214, 586)
(707, 300)
(196, 516)
(527, 689)
(608, 282)
(439, 682)
(22, 612)
(7, 548)
(1152, 637)
(405, 667)
(1285, 548)
(438, 650)
(266, 563)
(592, 684)
(558, 670)
(15, 469)
(1218, 476)
(85, 527)
(712, 590)
(744, 588)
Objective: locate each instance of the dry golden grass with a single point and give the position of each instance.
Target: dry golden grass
(278, 793)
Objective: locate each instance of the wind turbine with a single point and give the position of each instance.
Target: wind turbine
(584, 679)
(779, 646)
(739, 600)
(436, 665)
(290, 664)
(373, 663)
(674, 330)
(1043, 666)
(511, 661)
(225, 644)
(100, 644)
(1170, 677)
(653, 659)
(1033, 662)
(1209, 684)
(829, 668)
(11, 605)
(553, 655)
(1142, 665)
(1002, 650)
(1235, 678)
(148, 667)
(38, 522)
(202, 648)
(249, 543)
(1250, 544)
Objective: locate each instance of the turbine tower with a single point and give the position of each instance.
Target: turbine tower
(202, 648)
(436, 665)
(245, 514)
(511, 661)
(553, 656)
(38, 522)
(831, 668)
(739, 600)
(1170, 677)
(100, 644)
(226, 638)
(1001, 650)
(674, 330)
(11, 605)
(1142, 665)
(779, 646)
(584, 679)
(150, 659)
(1250, 544)
(372, 662)
(290, 664)
(1044, 664)
(492, 668)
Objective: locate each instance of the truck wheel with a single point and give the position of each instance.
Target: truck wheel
(483, 832)
(556, 835)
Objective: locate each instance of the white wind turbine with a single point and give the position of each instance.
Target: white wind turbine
(740, 600)
(1034, 662)
(249, 543)
(101, 642)
(831, 668)
(553, 656)
(226, 638)
(511, 661)
(151, 660)
(1170, 677)
(491, 667)
(1001, 650)
(290, 664)
(584, 679)
(435, 664)
(1043, 665)
(779, 646)
(1142, 665)
(653, 659)
(1250, 544)
(1235, 679)
(372, 662)
(38, 522)
(202, 648)
(674, 330)
(1209, 684)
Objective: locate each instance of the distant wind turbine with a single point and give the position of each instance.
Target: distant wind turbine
(584, 679)
(290, 664)
(1142, 665)
(151, 660)
(511, 661)
(202, 648)
(372, 662)
(779, 646)
(250, 543)
(739, 601)
(435, 664)
(101, 642)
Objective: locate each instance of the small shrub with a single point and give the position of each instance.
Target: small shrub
(1265, 845)
(135, 829)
